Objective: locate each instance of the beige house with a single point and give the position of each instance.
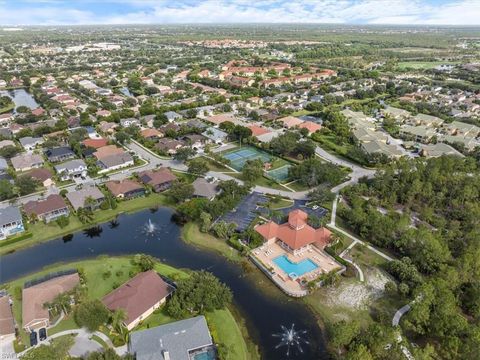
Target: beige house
(34, 314)
(7, 324)
(139, 297)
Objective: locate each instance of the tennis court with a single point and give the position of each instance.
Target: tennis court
(279, 174)
(240, 156)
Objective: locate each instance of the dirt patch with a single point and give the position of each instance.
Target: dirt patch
(358, 295)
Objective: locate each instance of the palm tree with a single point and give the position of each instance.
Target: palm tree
(118, 317)
(114, 223)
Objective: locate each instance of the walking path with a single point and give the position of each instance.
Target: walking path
(83, 341)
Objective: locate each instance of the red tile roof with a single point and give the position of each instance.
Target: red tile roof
(95, 143)
(258, 130)
(138, 295)
(310, 126)
(296, 233)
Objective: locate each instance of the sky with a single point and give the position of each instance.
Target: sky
(79, 12)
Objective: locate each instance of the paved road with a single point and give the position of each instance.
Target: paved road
(400, 312)
(357, 171)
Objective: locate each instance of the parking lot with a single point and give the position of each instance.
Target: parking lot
(245, 212)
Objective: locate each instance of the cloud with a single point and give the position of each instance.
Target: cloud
(56, 12)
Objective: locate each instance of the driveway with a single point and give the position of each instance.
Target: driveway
(84, 345)
(7, 351)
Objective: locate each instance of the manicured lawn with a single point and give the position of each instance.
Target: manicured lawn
(364, 256)
(222, 323)
(296, 186)
(226, 331)
(97, 284)
(7, 108)
(43, 232)
(281, 204)
(215, 166)
(191, 234)
(100, 341)
(188, 178)
(67, 323)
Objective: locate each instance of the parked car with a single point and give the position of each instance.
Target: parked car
(33, 338)
(42, 334)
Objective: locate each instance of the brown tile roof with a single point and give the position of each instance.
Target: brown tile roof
(7, 325)
(117, 187)
(95, 143)
(40, 174)
(147, 133)
(296, 233)
(138, 295)
(160, 176)
(39, 207)
(35, 296)
(290, 121)
(108, 150)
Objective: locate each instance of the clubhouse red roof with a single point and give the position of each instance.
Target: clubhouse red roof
(296, 233)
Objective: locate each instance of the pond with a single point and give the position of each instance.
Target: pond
(20, 97)
(270, 318)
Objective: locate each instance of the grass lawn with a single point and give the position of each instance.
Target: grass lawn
(364, 256)
(263, 181)
(67, 323)
(191, 234)
(100, 341)
(215, 166)
(281, 204)
(7, 108)
(296, 186)
(226, 331)
(42, 232)
(222, 323)
(188, 178)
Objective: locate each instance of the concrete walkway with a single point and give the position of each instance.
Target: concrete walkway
(85, 342)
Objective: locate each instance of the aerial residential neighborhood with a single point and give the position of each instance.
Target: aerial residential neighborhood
(230, 180)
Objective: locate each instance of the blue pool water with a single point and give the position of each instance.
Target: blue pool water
(298, 269)
(207, 355)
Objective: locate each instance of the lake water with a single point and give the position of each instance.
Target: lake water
(21, 98)
(265, 313)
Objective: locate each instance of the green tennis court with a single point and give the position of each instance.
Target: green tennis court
(240, 156)
(279, 174)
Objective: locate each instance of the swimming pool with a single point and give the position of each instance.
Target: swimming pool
(294, 269)
(206, 355)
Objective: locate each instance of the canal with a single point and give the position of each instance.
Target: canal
(265, 313)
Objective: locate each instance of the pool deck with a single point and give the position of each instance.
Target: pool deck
(266, 253)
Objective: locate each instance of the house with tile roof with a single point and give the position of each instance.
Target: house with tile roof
(139, 297)
(34, 314)
(48, 209)
(160, 179)
(125, 189)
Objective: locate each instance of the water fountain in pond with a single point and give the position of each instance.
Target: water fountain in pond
(292, 339)
(150, 228)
